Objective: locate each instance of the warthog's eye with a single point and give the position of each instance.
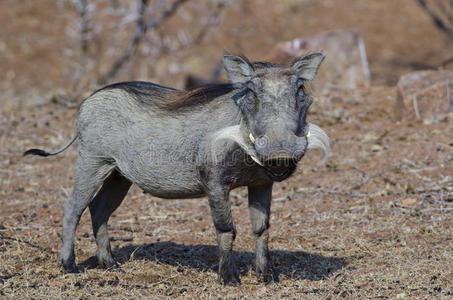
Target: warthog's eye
(250, 100)
(300, 93)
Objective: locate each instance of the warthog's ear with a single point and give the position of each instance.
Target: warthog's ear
(238, 70)
(307, 67)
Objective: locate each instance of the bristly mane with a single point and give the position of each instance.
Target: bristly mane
(200, 95)
(181, 99)
(211, 91)
(135, 87)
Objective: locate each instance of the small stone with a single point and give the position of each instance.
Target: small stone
(409, 201)
(424, 95)
(377, 148)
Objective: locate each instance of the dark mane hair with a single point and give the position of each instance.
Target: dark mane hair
(143, 91)
(199, 95)
(136, 87)
(211, 91)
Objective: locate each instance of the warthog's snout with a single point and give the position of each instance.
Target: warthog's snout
(286, 153)
(279, 153)
(287, 146)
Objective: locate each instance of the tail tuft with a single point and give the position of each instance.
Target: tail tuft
(36, 152)
(45, 153)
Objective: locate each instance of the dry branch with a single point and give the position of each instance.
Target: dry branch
(214, 19)
(415, 103)
(205, 29)
(141, 29)
(436, 19)
(450, 102)
(126, 238)
(85, 27)
(20, 241)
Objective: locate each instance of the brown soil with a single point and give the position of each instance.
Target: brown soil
(374, 221)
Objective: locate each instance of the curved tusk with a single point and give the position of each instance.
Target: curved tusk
(252, 139)
(255, 159)
(233, 133)
(318, 139)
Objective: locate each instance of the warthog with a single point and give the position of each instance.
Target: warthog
(174, 144)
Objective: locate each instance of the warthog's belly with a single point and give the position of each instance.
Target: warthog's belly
(166, 179)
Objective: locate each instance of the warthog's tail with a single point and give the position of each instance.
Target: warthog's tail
(45, 153)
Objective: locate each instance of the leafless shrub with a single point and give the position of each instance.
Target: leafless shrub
(109, 37)
(441, 12)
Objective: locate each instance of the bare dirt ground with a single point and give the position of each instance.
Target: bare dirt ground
(374, 221)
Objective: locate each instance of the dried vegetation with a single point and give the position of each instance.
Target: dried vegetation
(375, 221)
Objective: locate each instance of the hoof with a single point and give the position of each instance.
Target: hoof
(229, 281)
(229, 276)
(268, 277)
(234, 282)
(106, 261)
(68, 267)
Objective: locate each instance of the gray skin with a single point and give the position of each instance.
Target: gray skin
(127, 135)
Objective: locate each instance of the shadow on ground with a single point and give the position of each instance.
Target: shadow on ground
(292, 264)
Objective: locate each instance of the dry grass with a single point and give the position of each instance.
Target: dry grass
(374, 222)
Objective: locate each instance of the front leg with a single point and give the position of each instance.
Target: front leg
(220, 205)
(260, 197)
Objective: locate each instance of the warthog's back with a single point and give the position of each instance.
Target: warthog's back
(151, 146)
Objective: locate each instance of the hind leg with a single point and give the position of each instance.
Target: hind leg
(103, 205)
(90, 174)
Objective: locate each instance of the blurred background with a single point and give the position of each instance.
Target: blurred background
(67, 48)
(374, 221)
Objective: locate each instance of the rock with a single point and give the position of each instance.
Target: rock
(345, 66)
(423, 95)
(409, 202)
(377, 148)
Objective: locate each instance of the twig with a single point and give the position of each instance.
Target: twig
(126, 238)
(215, 16)
(140, 33)
(441, 209)
(85, 27)
(363, 58)
(85, 18)
(21, 241)
(436, 19)
(446, 62)
(123, 228)
(214, 19)
(163, 280)
(415, 103)
(450, 102)
(167, 14)
(6, 277)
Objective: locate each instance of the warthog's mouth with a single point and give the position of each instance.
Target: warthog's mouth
(316, 137)
(279, 169)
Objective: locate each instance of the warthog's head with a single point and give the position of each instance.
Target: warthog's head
(274, 106)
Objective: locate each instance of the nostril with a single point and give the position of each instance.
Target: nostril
(261, 142)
